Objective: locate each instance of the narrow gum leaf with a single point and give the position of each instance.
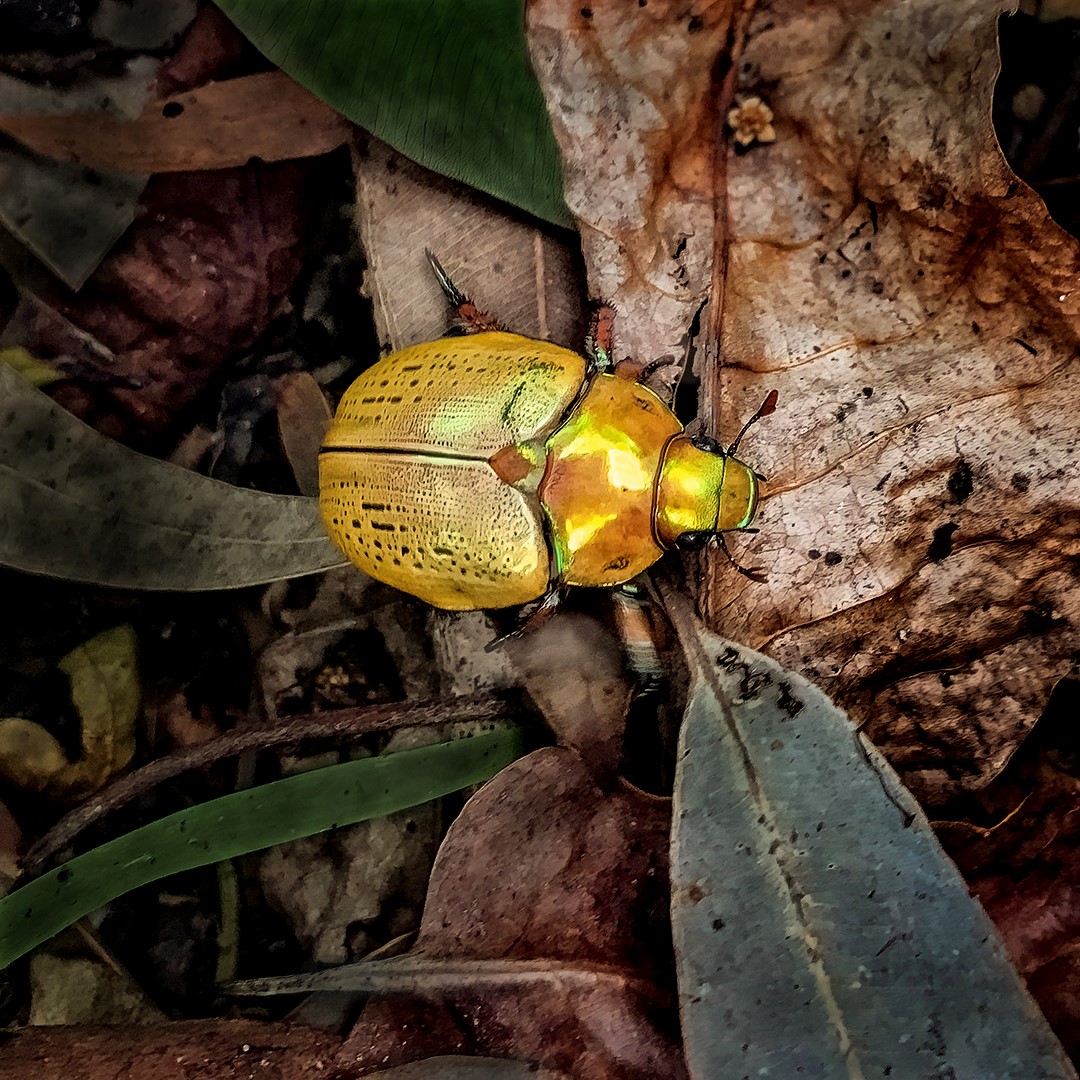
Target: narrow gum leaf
(819, 927)
(75, 505)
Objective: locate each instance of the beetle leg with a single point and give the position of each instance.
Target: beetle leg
(467, 318)
(539, 615)
(755, 573)
(600, 338)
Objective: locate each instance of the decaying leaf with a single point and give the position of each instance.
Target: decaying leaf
(218, 126)
(105, 690)
(75, 505)
(1019, 851)
(819, 927)
(303, 416)
(195, 282)
(910, 299)
(574, 671)
(80, 990)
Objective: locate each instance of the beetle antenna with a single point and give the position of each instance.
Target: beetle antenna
(454, 296)
(766, 408)
(755, 573)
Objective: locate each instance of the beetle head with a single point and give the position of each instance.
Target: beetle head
(702, 490)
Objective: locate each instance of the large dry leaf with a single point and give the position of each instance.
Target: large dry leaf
(912, 302)
(543, 938)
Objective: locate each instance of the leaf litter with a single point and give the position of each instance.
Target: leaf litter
(671, 252)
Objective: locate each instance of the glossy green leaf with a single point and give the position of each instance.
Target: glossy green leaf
(246, 821)
(446, 82)
(819, 928)
(76, 505)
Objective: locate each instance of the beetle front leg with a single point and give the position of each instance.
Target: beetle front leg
(467, 317)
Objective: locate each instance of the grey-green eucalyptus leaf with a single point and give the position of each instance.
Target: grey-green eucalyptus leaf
(820, 929)
(76, 505)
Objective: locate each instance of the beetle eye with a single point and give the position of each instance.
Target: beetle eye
(693, 541)
(706, 443)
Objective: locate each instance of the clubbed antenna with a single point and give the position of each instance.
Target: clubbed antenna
(766, 408)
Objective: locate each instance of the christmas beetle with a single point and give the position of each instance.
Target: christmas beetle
(488, 470)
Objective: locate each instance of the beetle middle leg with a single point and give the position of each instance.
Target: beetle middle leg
(467, 318)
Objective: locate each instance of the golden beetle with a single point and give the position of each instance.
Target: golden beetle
(489, 470)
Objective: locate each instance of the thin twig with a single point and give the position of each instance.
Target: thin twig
(340, 723)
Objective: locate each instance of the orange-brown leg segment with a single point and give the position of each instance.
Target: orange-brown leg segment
(467, 318)
(600, 339)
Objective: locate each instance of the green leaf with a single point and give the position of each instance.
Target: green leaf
(446, 82)
(820, 930)
(76, 505)
(246, 821)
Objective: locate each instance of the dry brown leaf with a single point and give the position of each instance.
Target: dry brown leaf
(531, 281)
(303, 416)
(218, 126)
(573, 669)
(196, 280)
(916, 308)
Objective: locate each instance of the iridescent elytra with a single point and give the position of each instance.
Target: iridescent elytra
(488, 470)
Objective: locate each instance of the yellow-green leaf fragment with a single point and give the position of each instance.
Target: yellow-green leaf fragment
(105, 690)
(245, 821)
(35, 371)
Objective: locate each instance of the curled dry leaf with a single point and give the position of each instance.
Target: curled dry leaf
(574, 671)
(881, 266)
(303, 416)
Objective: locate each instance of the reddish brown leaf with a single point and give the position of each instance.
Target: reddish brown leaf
(544, 866)
(199, 277)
